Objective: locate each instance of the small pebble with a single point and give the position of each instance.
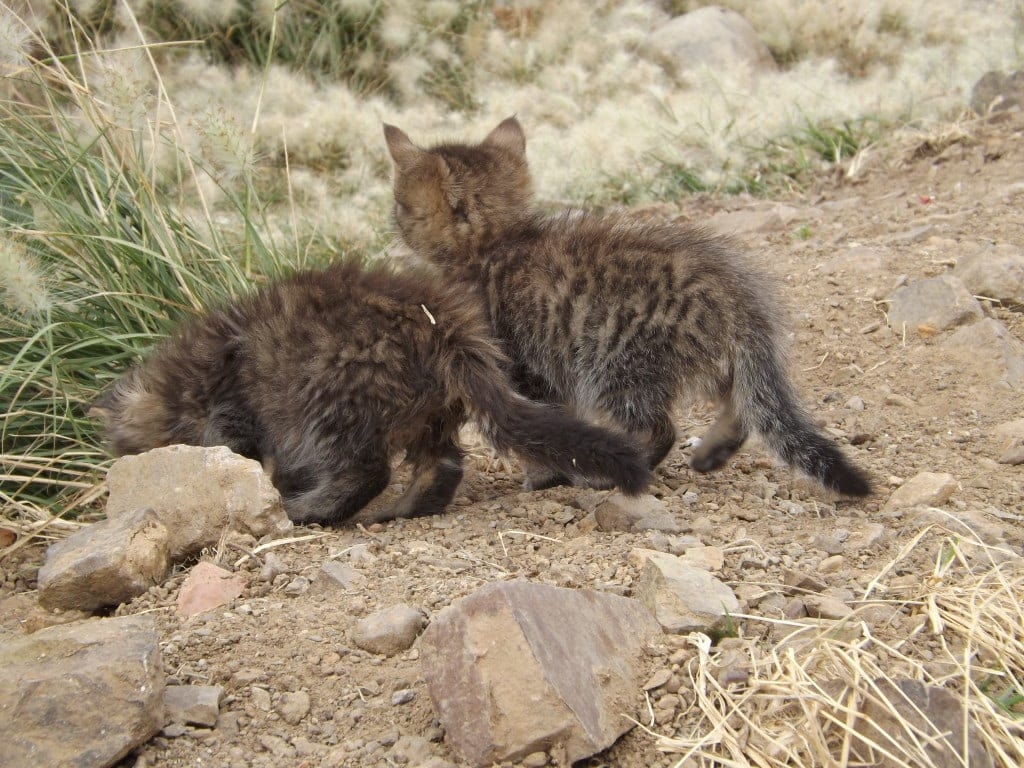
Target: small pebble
(404, 696)
(297, 586)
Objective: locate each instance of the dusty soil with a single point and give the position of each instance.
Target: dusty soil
(922, 411)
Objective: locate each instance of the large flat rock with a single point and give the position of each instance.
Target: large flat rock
(519, 667)
(82, 694)
(106, 563)
(197, 493)
(938, 302)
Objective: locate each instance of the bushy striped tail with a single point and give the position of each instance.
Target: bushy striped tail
(766, 403)
(544, 434)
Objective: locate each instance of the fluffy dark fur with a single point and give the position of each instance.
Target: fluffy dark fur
(325, 376)
(611, 317)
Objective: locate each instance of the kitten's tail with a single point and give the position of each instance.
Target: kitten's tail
(766, 403)
(543, 434)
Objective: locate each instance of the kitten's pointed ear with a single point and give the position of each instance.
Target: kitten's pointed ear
(400, 147)
(508, 135)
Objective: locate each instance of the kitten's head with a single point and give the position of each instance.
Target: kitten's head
(134, 419)
(453, 199)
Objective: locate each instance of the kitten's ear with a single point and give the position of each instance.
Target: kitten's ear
(400, 147)
(508, 135)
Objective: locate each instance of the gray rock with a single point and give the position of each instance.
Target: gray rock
(860, 259)
(998, 92)
(293, 706)
(924, 488)
(273, 566)
(970, 522)
(106, 563)
(989, 349)
(82, 694)
(193, 704)
(924, 715)
(681, 597)
(276, 746)
(825, 607)
(712, 37)
(197, 493)
(996, 272)
(389, 631)
(260, 698)
(297, 586)
(335, 575)
(940, 302)
(868, 536)
(635, 513)
(706, 558)
(1012, 451)
(402, 696)
(519, 667)
(752, 221)
(410, 750)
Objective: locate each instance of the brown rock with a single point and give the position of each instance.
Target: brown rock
(335, 575)
(925, 488)
(681, 597)
(208, 586)
(193, 704)
(989, 348)
(21, 613)
(1012, 452)
(197, 493)
(82, 694)
(925, 715)
(635, 513)
(519, 667)
(825, 607)
(106, 563)
(390, 630)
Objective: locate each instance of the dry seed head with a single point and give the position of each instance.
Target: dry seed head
(15, 40)
(225, 147)
(21, 279)
(211, 13)
(358, 8)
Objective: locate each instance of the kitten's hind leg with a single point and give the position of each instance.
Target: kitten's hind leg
(662, 438)
(437, 472)
(330, 493)
(722, 440)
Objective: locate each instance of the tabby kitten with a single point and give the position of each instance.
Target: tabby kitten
(326, 375)
(611, 317)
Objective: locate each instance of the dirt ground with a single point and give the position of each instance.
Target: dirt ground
(905, 406)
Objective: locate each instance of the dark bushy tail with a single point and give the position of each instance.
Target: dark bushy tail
(545, 435)
(767, 405)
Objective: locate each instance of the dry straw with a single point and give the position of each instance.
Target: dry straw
(836, 693)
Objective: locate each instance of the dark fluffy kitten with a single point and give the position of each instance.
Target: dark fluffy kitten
(611, 317)
(327, 375)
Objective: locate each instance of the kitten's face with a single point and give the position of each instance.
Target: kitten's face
(455, 198)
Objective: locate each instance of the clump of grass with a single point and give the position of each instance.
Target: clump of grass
(98, 264)
(835, 694)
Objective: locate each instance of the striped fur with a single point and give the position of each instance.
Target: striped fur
(325, 376)
(611, 317)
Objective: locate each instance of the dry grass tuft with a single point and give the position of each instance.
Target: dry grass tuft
(836, 693)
